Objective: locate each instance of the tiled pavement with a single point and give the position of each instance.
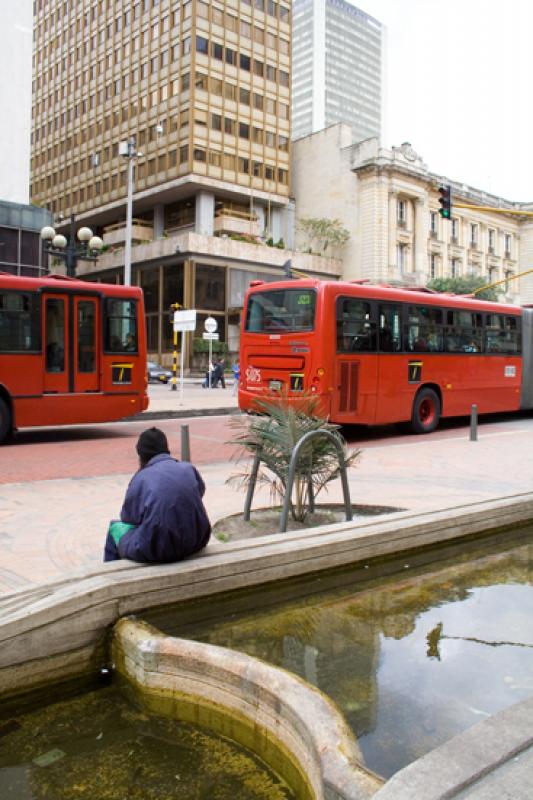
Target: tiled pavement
(58, 489)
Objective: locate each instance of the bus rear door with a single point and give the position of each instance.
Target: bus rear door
(356, 366)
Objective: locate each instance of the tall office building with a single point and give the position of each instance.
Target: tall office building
(337, 65)
(204, 90)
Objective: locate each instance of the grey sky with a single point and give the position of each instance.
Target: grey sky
(474, 121)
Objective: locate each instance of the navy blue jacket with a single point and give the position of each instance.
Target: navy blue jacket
(164, 502)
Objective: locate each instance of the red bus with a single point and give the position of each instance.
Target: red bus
(379, 354)
(70, 352)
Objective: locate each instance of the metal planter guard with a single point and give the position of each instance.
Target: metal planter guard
(290, 478)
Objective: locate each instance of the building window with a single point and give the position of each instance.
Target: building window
(455, 230)
(432, 266)
(210, 287)
(401, 258)
(401, 212)
(454, 268)
(433, 223)
(244, 62)
(217, 51)
(508, 240)
(492, 239)
(202, 45)
(473, 234)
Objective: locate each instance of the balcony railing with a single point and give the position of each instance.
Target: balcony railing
(236, 222)
(141, 231)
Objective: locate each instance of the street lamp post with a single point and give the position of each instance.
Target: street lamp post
(129, 151)
(58, 246)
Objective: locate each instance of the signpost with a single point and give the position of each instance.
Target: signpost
(183, 321)
(210, 326)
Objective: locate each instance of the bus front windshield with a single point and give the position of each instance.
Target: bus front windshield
(281, 311)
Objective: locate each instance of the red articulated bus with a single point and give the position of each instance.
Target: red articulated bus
(379, 354)
(70, 352)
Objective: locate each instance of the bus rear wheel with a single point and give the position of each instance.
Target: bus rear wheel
(426, 411)
(5, 421)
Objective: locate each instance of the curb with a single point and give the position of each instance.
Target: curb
(182, 414)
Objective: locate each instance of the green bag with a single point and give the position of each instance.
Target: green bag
(117, 530)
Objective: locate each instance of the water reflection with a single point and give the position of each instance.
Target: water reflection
(412, 659)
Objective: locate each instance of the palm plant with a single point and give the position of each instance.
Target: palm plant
(273, 436)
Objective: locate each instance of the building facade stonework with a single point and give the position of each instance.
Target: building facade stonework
(389, 202)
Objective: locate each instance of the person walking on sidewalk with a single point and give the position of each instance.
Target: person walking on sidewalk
(163, 518)
(236, 369)
(217, 376)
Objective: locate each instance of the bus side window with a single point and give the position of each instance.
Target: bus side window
(389, 329)
(121, 326)
(355, 329)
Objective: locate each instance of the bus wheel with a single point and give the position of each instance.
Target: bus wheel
(426, 411)
(5, 421)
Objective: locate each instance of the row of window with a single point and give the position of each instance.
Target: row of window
(387, 327)
(152, 99)
(165, 161)
(455, 225)
(20, 326)
(231, 91)
(86, 22)
(215, 122)
(221, 53)
(403, 266)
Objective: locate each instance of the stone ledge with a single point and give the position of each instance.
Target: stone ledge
(462, 762)
(40, 626)
(288, 723)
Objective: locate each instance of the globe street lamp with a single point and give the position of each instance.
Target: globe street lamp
(58, 246)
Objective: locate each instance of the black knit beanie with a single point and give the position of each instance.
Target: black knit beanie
(152, 442)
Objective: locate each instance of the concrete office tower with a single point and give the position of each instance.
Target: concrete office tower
(15, 99)
(337, 67)
(203, 88)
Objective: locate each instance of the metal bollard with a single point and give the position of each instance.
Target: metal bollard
(185, 443)
(473, 424)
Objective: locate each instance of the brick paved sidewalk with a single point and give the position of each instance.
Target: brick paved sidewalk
(50, 527)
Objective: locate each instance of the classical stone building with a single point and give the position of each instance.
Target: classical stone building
(203, 89)
(389, 201)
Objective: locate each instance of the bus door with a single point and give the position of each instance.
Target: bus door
(392, 376)
(70, 326)
(355, 377)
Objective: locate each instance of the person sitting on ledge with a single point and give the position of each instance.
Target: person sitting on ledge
(163, 518)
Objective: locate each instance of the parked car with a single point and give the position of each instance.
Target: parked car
(158, 373)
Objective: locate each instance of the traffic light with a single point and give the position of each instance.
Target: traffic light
(173, 307)
(445, 200)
